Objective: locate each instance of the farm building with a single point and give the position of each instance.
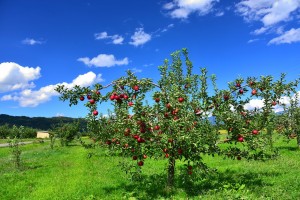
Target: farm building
(42, 134)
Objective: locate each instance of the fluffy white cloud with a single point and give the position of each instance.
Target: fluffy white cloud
(267, 11)
(254, 103)
(139, 37)
(33, 98)
(289, 37)
(103, 60)
(30, 41)
(14, 76)
(183, 8)
(116, 39)
(259, 103)
(271, 14)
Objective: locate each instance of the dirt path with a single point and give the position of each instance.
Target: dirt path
(22, 143)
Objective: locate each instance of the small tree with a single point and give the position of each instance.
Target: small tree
(288, 123)
(67, 132)
(14, 144)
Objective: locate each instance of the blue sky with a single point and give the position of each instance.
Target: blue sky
(49, 42)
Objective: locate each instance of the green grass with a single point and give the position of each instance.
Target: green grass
(68, 173)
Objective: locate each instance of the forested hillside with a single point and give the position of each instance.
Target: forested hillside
(40, 123)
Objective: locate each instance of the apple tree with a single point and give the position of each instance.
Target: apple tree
(170, 119)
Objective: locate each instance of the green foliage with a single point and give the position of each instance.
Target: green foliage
(67, 132)
(7, 131)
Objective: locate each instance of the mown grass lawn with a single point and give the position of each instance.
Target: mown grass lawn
(68, 173)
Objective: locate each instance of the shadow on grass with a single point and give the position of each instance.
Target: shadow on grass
(289, 148)
(154, 186)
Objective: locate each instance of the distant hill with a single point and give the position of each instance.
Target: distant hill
(40, 123)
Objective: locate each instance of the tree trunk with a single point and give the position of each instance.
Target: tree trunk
(171, 171)
(270, 132)
(298, 140)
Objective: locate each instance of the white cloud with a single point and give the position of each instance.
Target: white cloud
(267, 11)
(183, 8)
(259, 103)
(271, 14)
(116, 39)
(99, 36)
(252, 40)
(169, 6)
(260, 31)
(254, 103)
(136, 70)
(30, 41)
(59, 115)
(14, 76)
(220, 14)
(33, 98)
(103, 60)
(167, 28)
(139, 37)
(291, 36)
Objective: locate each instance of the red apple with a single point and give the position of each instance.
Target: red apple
(179, 151)
(126, 96)
(142, 130)
(112, 97)
(98, 92)
(241, 91)
(274, 103)
(168, 105)
(89, 96)
(157, 127)
(136, 88)
(166, 115)
(140, 163)
(176, 118)
(145, 156)
(226, 97)
(165, 150)
(81, 98)
(241, 139)
(167, 155)
(127, 132)
(108, 142)
(238, 84)
(95, 112)
(130, 103)
(254, 92)
(140, 140)
(92, 101)
(134, 157)
(180, 99)
(157, 99)
(136, 136)
(254, 132)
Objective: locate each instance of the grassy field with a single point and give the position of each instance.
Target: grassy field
(68, 173)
